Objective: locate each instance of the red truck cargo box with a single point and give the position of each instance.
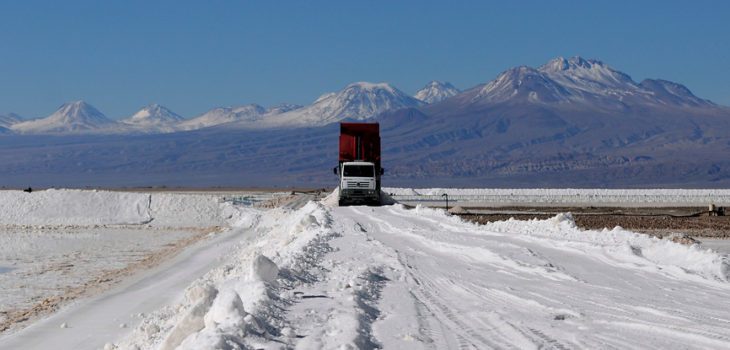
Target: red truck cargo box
(360, 141)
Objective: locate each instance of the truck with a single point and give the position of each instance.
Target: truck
(359, 167)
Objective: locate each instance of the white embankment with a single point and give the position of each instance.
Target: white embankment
(90, 207)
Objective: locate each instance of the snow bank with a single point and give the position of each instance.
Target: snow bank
(73, 207)
(264, 269)
(622, 247)
(677, 197)
(91, 207)
(189, 210)
(332, 199)
(234, 305)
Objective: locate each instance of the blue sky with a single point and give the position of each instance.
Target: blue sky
(193, 55)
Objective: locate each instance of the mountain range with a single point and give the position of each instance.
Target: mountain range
(572, 122)
(357, 101)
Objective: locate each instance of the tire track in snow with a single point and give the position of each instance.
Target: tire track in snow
(444, 315)
(600, 307)
(496, 327)
(432, 295)
(339, 304)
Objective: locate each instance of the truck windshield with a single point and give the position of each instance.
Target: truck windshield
(358, 171)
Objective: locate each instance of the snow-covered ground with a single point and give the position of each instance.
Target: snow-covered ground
(60, 245)
(51, 262)
(80, 207)
(396, 278)
(323, 277)
(568, 196)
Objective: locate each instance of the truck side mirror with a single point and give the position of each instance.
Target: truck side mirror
(382, 171)
(334, 170)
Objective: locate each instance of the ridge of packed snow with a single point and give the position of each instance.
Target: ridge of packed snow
(676, 197)
(236, 303)
(91, 207)
(675, 259)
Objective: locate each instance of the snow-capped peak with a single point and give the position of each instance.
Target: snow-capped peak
(153, 115)
(79, 110)
(436, 91)
(71, 116)
(357, 101)
(523, 82)
(367, 86)
(590, 75)
(576, 62)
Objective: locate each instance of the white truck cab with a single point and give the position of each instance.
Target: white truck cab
(358, 183)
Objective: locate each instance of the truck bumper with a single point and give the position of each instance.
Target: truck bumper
(359, 196)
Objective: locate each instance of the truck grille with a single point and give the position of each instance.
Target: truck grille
(356, 184)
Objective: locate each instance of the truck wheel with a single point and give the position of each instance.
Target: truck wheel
(341, 203)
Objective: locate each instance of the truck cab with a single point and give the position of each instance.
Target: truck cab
(358, 183)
